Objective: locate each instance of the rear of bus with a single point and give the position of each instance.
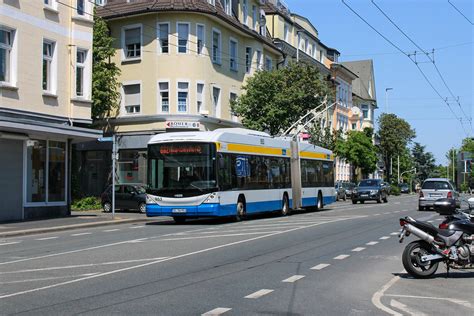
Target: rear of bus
(182, 180)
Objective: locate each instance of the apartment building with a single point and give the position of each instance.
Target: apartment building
(182, 63)
(45, 102)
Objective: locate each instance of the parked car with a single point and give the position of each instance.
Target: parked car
(433, 189)
(340, 191)
(127, 197)
(387, 187)
(370, 189)
(404, 188)
(349, 187)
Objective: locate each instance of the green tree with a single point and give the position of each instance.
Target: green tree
(424, 162)
(105, 85)
(394, 133)
(468, 145)
(273, 100)
(359, 151)
(325, 137)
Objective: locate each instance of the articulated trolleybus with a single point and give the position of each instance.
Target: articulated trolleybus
(233, 172)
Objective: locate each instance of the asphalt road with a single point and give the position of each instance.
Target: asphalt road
(345, 260)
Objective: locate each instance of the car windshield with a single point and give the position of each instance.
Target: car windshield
(435, 185)
(369, 183)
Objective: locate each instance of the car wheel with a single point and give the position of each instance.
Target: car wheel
(385, 199)
(354, 201)
(421, 208)
(362, 202)
(142, 207)
(379, 199)
(107, 207)
(345, 197)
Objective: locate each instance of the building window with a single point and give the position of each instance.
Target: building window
(310, 50)
(183, 37)
(245, 5)
(183, 95)
(216, 96)
(133, 42)
(163, 37)
(6, 45)
(164, 97)
(80, 71)
(254, 17)
(199, 97)
(216, 47)
(48, 57)
(80, 6)
(101, 2)
(213, 2)
(45, 171)
(248, 59)
(232, 99)
(286, 32)
(365, 111)
(354, 126)
(268, 63)
(132, 98)
(227, 4)
(306, 45)
(201, 38)
(233, 54)
(259, 60)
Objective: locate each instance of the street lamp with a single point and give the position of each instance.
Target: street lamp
(386, 99)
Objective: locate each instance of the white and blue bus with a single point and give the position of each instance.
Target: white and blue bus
(234, 172)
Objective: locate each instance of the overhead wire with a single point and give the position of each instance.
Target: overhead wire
(460, 12)
(403, 52)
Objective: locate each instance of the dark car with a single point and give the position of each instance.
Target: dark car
(340, 191)
(404, 188)
(349, 187)
(127, 197)
(370, 189)
(387, 187)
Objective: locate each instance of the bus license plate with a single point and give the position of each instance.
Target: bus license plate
(178, 210)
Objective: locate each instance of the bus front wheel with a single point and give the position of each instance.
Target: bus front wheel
(240, 210)
(285, 206)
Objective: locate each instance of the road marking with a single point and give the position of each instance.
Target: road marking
(80, 234)
(395, 233)
(386, 213)
(376, 298)
(341, 257)
(111, 230)
(83, 265)
(10, 243)
(453, 300)
(293, 278)
(216, 311)
(397, 212)
(371, 243)
(406, 309)
(133, 227)
(47, 238)
(358, 249)
(430, 221)
(384, 237)
(377, 214)
(138, 240)
(226, 235)
(439, 219)
(320, 266)
(140, 265)
(259, 294)
(48, 278)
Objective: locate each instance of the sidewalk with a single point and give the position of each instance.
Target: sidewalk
(75, 221)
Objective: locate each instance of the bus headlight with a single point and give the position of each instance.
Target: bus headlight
(151, 199)
(212, 198)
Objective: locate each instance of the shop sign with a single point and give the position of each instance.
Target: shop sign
(182, 124)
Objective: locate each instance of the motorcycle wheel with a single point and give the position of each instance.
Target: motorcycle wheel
(411, 260)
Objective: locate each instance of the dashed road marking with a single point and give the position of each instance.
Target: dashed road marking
(371, 243)
(10, 243)
(134, 227)
(397, 212)
(293, 278)
(386, 213)
(358, 249)
(320, 266)
(377, 214)
(216, 311)
(394, 233)
(259, 293)
(341, 257)
(111, 230)
(81, 234)
(430, 221)
(384, 237)
(47, 238)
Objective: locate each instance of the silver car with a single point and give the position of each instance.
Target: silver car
(434, 189)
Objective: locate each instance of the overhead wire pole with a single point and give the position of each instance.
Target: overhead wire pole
(432, 60)
(416, 64)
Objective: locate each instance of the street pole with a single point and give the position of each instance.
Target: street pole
(398, 167)
(386, 99)
(113, 175)
(298, 46)
(454, 169)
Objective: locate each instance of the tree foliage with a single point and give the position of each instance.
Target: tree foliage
(358, 150)
(273, 100)
(105, 85)
(468, 145)
(394, 133)
(423, 161)
(325, 137)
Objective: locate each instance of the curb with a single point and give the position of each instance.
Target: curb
(69, 227)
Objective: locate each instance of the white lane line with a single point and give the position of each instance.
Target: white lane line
(397, 212)
(140, 265)
(406, 309)
(87, 265)
(216, 311)
(397, 203)
(48, 278)
(386, 213)
(430, 221)
(376, 298)
(358, 249)
(395, 233)
(341, 257)
(453, 300)
(111, 230)
(226, 235)
(384, 237)
(47, 238)
(134, 227)
(293, 278)
(80, 234)
(320, 266)
(138, 240)
(377, 214)
(439, 219)
(259, 294)
(10, 243)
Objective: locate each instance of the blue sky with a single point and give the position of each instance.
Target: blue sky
(430, 24)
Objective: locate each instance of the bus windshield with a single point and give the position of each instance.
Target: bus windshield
(181, 169)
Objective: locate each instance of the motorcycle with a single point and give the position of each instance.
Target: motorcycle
(453, 245)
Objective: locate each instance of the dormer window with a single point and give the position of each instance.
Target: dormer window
(227, 4)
